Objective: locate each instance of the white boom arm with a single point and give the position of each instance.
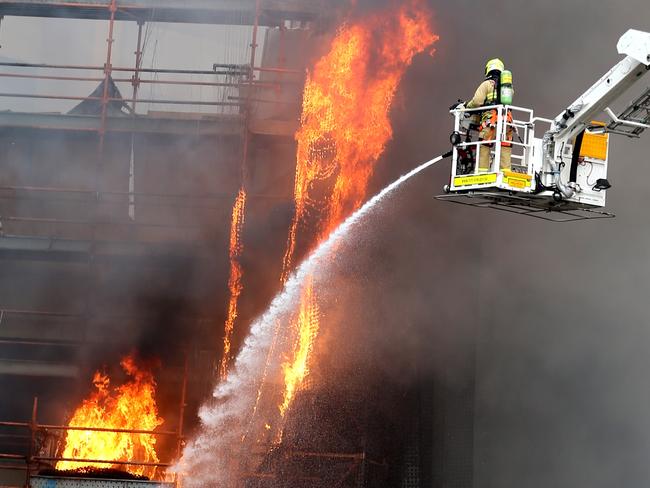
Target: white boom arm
(577, 117)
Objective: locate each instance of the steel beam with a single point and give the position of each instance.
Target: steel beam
(207, 125)
(61, 482)
(218, 12)
(59, 250)
(217, 125)
(36, 368)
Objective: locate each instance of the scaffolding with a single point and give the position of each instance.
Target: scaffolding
(80, 239)
(44, 442)
(249, 88)
(249, 12)
(115, 115)
(223, 12)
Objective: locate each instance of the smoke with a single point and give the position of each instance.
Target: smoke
(157, 285)
(559, 309)
(153, 298)
(224, 424)
(554, 313)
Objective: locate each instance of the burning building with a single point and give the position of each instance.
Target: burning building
(150, 211)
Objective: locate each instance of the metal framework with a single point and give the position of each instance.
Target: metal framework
(301, 457)
(240, 12)
(233, 12)
(350, 469)
(238, 125)
(524, 206)
(31, 462)
(245, 83)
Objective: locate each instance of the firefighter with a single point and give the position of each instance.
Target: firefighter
(496, 89)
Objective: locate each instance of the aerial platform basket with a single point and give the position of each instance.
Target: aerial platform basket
(514, 181)
(551, 169)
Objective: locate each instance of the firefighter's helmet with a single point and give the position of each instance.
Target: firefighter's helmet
(494, 65)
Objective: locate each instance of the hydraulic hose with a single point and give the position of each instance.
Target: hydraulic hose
(549, 156)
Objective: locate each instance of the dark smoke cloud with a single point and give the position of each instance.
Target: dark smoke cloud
(559, 310)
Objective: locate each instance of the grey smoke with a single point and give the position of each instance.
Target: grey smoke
(560, 309)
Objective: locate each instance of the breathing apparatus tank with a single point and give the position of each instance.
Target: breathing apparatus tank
(507, 90)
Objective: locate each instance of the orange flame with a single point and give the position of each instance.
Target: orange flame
(345, 127)
(131, 406)
(345, 123)
(235, 281)
(297, 370)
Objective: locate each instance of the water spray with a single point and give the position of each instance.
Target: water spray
(207, 456)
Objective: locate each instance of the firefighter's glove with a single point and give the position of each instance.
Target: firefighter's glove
(459, 105)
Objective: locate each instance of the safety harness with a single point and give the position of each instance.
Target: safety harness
(489, 118)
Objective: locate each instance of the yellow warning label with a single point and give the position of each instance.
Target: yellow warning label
(517, 183)
(517, 180)
(483, 179)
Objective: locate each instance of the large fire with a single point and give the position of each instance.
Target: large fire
(131, 406)
(345, 127)
(235, 281)
(345, 121)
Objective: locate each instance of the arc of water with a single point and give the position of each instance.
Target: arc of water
(205, 456)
